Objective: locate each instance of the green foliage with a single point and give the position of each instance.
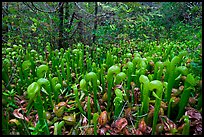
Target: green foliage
(95, 121)
(189, 85)
(118, 103)
(156, 84)
(145, 93)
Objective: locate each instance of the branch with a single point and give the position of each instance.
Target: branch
(29, 7)
(74, 31)
(72, 18)
(5, 8)
(99, 15)
(3, 39)
(56, 9)
(83, 9)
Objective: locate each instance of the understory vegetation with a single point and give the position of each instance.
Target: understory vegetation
(102, 68)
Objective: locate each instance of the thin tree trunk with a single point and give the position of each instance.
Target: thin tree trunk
(66, 13)
(71, 21)
(60, 44)
(95, 22)
(66, 19)
(81, 34)
(5, 28)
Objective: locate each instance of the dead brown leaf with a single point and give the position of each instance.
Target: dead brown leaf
(17, 114)
(142, 126)
(103, 131)
(61, 104)
(103, 118)
(126, 131)
(119, 124)
(136, 132)
(193, 113)
(84, 121)
(128, 114)
(195, 120)
(168, 124)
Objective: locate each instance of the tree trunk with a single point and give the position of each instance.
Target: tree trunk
(66, 18)
(95, 22)
(5, 29)
(81, 31)
(60, 43)
(66, 24)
